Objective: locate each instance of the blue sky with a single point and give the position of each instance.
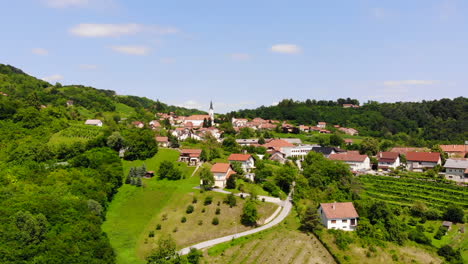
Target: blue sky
(243, 53)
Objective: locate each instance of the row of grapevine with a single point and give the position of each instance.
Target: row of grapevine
(81, 131)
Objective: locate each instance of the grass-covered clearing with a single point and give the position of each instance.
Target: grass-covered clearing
(280, 244)
(135, 212)
(75, 133)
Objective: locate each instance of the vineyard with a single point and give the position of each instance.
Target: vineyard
(404, 192)
(75, 133)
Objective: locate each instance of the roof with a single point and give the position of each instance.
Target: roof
(405, 150)
(191, 151)
(348, 157)
(197, 117)
(220, 168)
(454, 148)
(326, 150)
(456, 163)
(278, 143)
(162, 139)
(447, 223)
(348, 140)
(339, 210)
(239, 157)
(387, 156)
(293, 140)
(322, 123)
(423, 156)
(93, 122)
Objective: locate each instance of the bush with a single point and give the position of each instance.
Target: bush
(451, 255)
(203, 210)
(440, 233)
(200, 222)
(151, 233)
(218, 211)
(194, 256)
(158, 227)
(342, 240)
(231, 200)
(175, 229)
(164, 217)
(219, 203)
(183, 219)
(419, 237)
(194, 200)
(190, 209)
(454, 213)
(208, 200)
(215, 221)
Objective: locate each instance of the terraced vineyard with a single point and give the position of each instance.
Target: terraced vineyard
(75, 133)
(403, 191)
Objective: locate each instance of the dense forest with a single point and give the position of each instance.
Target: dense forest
(425, 123)
(58, 176)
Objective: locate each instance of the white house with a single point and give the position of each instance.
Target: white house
(94, 122)
(322, 124)
(246, 160)
(184, 133)
(341, 216)
(420, 161)
(298, 151)
(247, 142)
(456, 170)
(221, 172)
(239, 122)
(355, 161)
(162, 141)
(388, 160)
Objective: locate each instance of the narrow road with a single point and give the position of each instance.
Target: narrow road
(287, 206)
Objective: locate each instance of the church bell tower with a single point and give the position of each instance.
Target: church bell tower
(211, 112)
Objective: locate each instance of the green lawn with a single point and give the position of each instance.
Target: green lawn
(124, 110)
(135, 212)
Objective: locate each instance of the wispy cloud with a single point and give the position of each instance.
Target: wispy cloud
(286, 48)
(240, 56)
(66, 3)
(40, 51)
(132, 50)
(409, 82)
(88, 66)
(53, 78)
(117, 30)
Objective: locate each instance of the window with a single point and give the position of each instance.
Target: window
(344, 221)
(333, 221)
(353, 222)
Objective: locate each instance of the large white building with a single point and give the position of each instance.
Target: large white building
(355, 161)
(341, 216)
(298, 151)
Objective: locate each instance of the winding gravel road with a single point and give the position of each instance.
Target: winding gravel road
(287, 206)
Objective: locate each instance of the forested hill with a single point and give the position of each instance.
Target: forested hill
(443, 120)
(57, 175)
(23, 88)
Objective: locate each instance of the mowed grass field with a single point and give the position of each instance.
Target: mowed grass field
(136, 211)
(280, 244)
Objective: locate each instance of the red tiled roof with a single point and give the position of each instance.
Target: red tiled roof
(348, 140)
(348, 157)
(191, 151)
(322, 123)
(239, 157)
(197, 117)
(387, 156)
(220, 168)
(278, 143)
(162, 139)
(454, 148)
(404, 150)
(339, 210)
(423, 156)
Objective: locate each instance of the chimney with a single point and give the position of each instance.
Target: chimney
(333, 206)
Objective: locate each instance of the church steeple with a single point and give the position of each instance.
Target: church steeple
(211, 112)
(211, 105)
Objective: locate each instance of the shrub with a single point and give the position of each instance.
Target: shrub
(158, 227)
(175, 229)
(208, 200)
(190, 209)
(342, 240)
(215, 221)
(440, 233)
(231, 200)
(395, 257)
(200, 222)
(219, 203)
(451, 255)
(151, 233)
(164, 217)
(183, 219)
(218, 211)
(194, 200)
(203, 210)
(194, 256)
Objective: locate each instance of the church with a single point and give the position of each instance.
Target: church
(197, 120)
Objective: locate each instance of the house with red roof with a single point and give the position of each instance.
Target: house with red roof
(221, 172)
(322, 124)
(341, 216)
(459, 151)
(196, 120)
(138, 124)
(154, 124)
(190, 156)
(162, 141)
(277, 144)
(246, 160)
(420, 161)
(388, 160)
(355, 161)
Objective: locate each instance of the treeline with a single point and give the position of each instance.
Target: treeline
(423, 123)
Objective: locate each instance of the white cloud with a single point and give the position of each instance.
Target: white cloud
(240, 56)
(40, 51)
(410, 82)
(132, 50)
(116, 30)
(192, 104)
(88, 66)
(286, 48)
(53, 78)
